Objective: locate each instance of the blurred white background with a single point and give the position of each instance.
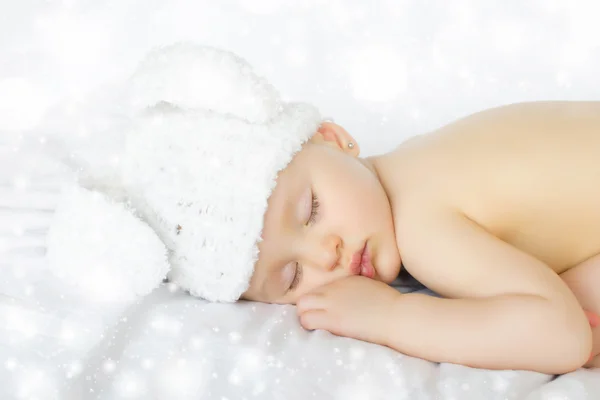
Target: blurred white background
(384, 69)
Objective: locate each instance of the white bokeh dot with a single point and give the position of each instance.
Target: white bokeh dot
(73, 369)
(21, 182)
(34, 382)
(10, 364)
(29, 290)
(22, 104)
(235, 337)
(180, 378)
(131, 385)
(109, 366)
(197, 342)
(147, 363)
(296, 56)
(18, 320)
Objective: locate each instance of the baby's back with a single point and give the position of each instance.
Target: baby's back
(529, 173)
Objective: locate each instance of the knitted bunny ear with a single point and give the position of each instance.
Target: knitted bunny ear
(201, 77)
(88, 134)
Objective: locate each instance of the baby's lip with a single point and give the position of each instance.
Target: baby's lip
(366, 266)
(357, 260)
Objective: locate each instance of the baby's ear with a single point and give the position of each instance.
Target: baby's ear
(333, 134)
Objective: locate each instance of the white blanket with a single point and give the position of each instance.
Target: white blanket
(55, 344)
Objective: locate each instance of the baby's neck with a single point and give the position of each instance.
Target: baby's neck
(389, 170)
(368, 162)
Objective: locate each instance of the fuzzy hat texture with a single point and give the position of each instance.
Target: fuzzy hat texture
(193, 143)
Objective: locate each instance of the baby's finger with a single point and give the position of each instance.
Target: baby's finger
(308, 302)
(314, 319)
(592, 318)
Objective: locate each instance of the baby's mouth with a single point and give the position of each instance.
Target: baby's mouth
(361, 263)
(366, 266)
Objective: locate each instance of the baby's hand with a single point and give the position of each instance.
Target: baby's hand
(355, 307)
(593, 318)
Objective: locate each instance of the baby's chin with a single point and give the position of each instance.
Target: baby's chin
(388, 273)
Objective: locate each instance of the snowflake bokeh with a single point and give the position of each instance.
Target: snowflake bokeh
(385, 69)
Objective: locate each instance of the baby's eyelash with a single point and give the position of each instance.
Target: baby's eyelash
(297, 277)
(314, 210)
(313, 217)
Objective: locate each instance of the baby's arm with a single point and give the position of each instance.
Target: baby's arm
(507, 309)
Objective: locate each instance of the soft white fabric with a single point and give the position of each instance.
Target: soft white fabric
(58, 344)
(193, 143)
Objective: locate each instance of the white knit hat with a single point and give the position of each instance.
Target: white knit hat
(197, 158)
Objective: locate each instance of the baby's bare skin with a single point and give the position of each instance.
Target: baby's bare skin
(583, 281)
(527, 174)
(490, 211)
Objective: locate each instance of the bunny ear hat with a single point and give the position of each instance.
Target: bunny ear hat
(192, 143)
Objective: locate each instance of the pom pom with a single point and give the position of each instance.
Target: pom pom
(101, 248)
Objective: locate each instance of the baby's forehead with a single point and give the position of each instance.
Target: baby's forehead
(282, 204)
(290, 184)
(286, 185)
(278, 205)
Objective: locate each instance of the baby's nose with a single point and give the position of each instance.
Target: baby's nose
(330, 252)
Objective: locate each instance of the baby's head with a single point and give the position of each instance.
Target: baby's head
(327, 207)
(249, 192)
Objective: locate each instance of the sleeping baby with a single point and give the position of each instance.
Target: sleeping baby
(259, 199)
(497, 212)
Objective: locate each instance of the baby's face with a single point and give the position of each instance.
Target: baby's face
(326, 207)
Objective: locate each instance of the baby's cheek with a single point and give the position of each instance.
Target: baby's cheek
(314, 280)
